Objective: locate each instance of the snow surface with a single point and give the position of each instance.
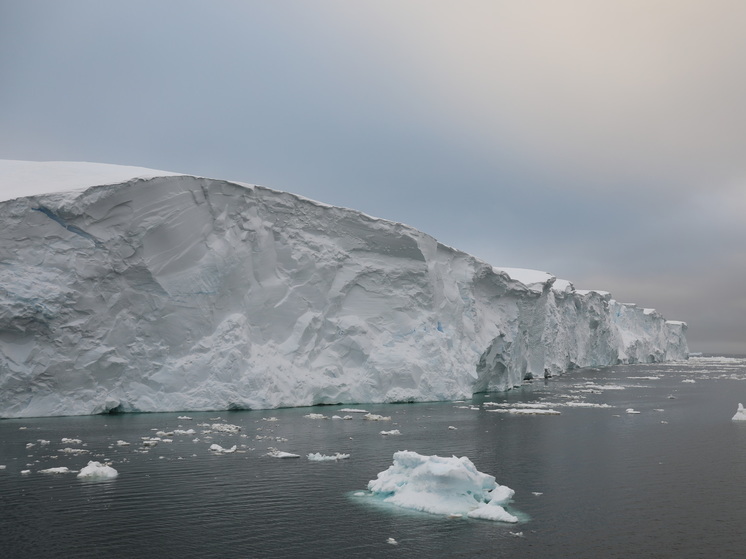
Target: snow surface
(151, 291)
(444, 486)
(31, 178)
(97, 470)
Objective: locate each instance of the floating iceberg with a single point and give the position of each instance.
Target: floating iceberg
(220, 450)
(127, 289)
(318, 457)
(446, 486)
(97, 470)
(57, 470)
(275, 453)
(740, 414)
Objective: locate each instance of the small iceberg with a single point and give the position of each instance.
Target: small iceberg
(220, 450)
(740, 414)
(274, 453)
(97, 470)
(376, 417)
(318, 457)
(444, 486)
(58, 470)
(225, 428)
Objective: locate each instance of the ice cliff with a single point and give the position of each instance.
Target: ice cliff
(137, 290)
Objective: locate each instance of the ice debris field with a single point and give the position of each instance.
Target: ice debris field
(132, 290)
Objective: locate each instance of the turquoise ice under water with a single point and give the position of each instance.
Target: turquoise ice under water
(590, 481)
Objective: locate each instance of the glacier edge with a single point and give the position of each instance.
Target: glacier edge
(176, 293)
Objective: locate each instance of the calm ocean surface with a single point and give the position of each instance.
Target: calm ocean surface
(590, 482)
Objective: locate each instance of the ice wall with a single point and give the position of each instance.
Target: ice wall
(180, 293)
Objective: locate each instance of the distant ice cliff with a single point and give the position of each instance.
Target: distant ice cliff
(149, 291)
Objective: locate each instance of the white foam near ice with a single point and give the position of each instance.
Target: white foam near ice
(97, 470)
(444, 486)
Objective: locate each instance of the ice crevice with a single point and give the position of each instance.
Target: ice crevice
(213, 294)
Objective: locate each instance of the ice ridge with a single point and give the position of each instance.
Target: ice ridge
(169, 292)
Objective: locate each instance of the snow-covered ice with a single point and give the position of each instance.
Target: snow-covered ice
(97, 470)
(141, 290)
(444, 486)
(740, 414)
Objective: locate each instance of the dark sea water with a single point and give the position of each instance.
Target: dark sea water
(591, 482)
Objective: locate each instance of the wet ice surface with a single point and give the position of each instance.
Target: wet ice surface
(590, 480)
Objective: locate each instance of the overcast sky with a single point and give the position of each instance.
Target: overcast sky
(603, 141)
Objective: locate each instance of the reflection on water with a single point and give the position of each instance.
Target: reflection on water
(592, 479)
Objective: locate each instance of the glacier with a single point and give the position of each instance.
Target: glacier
(125, 289)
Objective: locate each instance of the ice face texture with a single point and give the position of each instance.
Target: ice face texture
(171, 293)
(445, 486)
